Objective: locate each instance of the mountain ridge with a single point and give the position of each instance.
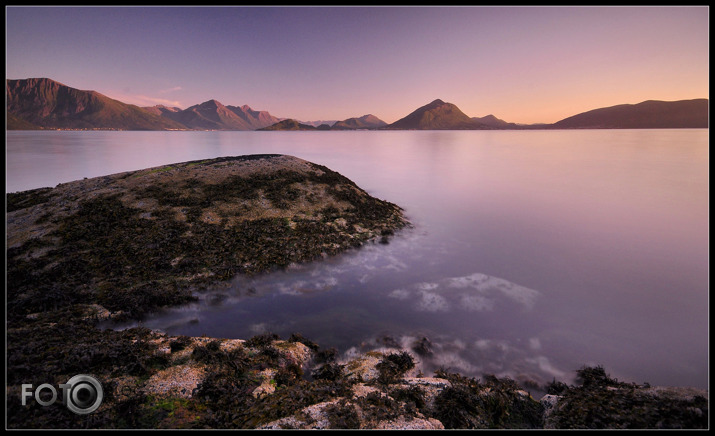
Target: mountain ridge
(368, 121)
(289, 124)
(492, 121)
(649, 114)
(214, 115)
(46, 103)
(42, 103)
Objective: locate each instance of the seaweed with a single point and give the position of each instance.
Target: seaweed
(41, 351)
(343, 415)
(377, 406)
(459, 407)
(495, 403)
(24, 199)
(602, 402)
(237, 361)
(125, 262)
(412, 396)
(288, 375)
(393, 366)
(298, 337)
(278, 187)
(328, 355)
(422, 346)
(329, 371)
(231, 406)
(262, 341)
(180, 343)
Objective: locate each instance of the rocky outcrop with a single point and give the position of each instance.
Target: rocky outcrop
(119, 246)
(142, 239)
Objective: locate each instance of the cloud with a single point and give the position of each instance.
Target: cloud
(491, 345)
(432, 302)
(305, 287)
(400, 294)
(475, 293)
(542, 362)
(424, 286)
(259, 328)
(483, 284)
(470, 281)
(454, 362)
(476, 303)
(151, 101)
(175, 88)
(142, 100)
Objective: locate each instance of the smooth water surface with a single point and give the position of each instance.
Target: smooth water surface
(533, 253)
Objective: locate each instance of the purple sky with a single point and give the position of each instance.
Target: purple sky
(521, 64)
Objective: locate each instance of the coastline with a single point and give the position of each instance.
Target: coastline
(119, 246)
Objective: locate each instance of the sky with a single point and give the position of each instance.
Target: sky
(520, 64)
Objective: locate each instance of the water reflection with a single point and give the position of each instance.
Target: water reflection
(533, 252)
(365, 300)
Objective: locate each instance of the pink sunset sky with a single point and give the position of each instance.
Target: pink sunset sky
(521, 64)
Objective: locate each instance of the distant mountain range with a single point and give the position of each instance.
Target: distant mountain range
(46, 104)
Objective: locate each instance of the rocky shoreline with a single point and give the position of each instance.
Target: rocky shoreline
(120, 246)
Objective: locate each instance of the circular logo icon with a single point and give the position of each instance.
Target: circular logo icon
(85, 394)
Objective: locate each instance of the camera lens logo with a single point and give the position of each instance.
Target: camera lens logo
(82, 394)
(85, 394)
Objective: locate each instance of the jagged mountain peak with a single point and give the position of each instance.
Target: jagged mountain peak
(211, 103)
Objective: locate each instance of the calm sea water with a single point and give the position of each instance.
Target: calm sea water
(533, 253)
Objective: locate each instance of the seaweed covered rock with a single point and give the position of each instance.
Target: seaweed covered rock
(138, 240)
(152, 380)
(601, 402)
(122, 245)
(384, 396)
